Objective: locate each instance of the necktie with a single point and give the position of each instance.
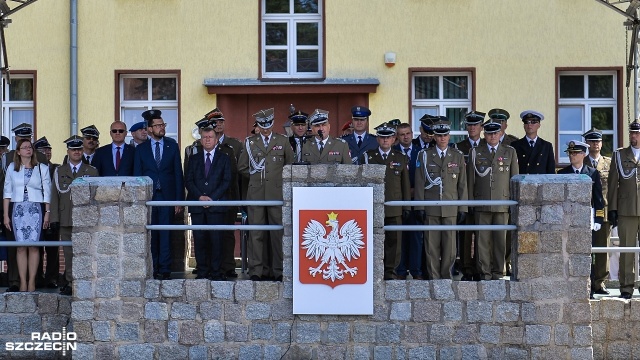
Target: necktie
(595, 164)
(117, 157)
(75, 171)
(157, 154)
(577, 171)
(531, 143)
(407, 151)
(89, 158)
(442, 155)
(475, 144)
(321, 147)
(493, 152)
(207, 165)
(384, 157)
(266, 141)
(359, 140)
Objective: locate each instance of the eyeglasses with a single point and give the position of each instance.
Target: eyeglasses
(529, 122)
(159, 125)
(117, 131)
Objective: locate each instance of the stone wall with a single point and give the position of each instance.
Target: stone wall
(544, 312)
(616, 328)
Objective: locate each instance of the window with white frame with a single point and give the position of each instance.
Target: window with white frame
(139, 92)
(585, 100)
(441, 94)
(17, 103)
(291, 39)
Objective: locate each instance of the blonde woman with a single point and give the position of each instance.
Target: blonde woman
(26, 197)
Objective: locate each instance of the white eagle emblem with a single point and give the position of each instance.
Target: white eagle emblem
(333, 249)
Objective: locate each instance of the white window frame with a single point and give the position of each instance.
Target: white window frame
(438, 107)
(9, 106)
(291, 19)
(143, 105)
(586, 104)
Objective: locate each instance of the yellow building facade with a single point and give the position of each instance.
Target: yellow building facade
(189, 56)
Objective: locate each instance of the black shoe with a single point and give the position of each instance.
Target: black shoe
(466, 278)
(231, 274)
(66, 290)
(165, 276)
(13, 288)
(52, 285)
(255, 278)
(218, 278)
(602, 291)
(625, 295)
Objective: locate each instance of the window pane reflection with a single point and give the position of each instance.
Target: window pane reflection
(426, 87)
(602, 118)
(21, 90)
(276, 60)
(307, 33)
(572, 86)
(276, 33)
(455, 87)
(164, 89)
(305, 6)
(307, 60)
(135, 88)
(601, 86)
(570, 118)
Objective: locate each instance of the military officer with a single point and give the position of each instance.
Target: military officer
(4, 144)
(623, 201)
(232, 148)
(196, 146)
(473, 123)
(263, 157)
(91, 136)
(501, 116)
(138, 133)
(440, 175)
(323, 148)
(490, 169)
(360, 141)
(396, 187)
(425, 139)
(299, 128)
(61, 205)
(535, 155)
(601, 163)
(577, 152)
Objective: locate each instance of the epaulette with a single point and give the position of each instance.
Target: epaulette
(341, 139)
(227, 145)
(453, 146)
(458, 150)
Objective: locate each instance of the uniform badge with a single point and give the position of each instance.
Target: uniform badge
(501, 168)
(507, 168)
(454, 176)
(500, 163)
(481, 168)
(274, 158)
(279, 147)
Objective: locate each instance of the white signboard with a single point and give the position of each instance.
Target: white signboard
(333, 250)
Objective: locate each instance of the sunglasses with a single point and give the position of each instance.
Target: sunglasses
(117, 131)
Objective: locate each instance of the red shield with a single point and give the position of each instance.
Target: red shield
(341, 262)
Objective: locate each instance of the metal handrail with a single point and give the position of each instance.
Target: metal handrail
(215, 227)
(35, 243)
(448, 227)
(452, 203)
(217, 203)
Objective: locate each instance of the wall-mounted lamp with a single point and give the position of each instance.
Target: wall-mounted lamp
(390, 58)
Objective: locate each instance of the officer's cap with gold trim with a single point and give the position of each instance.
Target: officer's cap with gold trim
(634, 126)
(299, 117)
(499, 114)
(42, 143)
(206, 124)
(576, 146)
(264, 118)
(4, 141)
(74, 142)
(385, 130)
(318, 117)
(90, 131)
(214, 115)
(474, 117)
(149, 115)
(593, 135)
(23, 130)
(360, 112)
(442, 126)
(529, 115)
(491, 127)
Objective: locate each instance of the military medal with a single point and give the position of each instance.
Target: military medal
(501, 168)
(500, 163)
(274, 158)
(454, 176)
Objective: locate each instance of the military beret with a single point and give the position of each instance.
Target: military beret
(137, 126)
(215, 115)
(347, 125)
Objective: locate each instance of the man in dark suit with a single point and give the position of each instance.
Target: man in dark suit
(577, 152)
(159, 159)
(207, 179)
(360, 141)
(425, 139)
(396, 187)
(411, 258)
(535, 155)
(299, 129)
(115, 159)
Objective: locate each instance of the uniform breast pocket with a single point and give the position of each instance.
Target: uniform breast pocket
(453, 170)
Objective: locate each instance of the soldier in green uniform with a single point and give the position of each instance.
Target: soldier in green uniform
(441, 175)
(232, 147)
(263, 157)
(601, 238)
(323, 148)
(396, 187)
(61, 204)
(623, 201)
(501, 116)
(491, 166)
(473, 122)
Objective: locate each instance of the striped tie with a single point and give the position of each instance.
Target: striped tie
(157, 153)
